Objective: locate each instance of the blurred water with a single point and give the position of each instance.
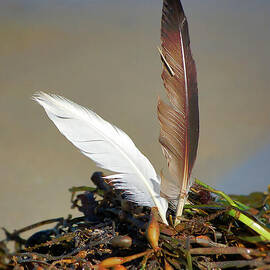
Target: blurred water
(102, 54)
(250, 175)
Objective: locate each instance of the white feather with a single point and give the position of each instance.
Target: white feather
(109, 147)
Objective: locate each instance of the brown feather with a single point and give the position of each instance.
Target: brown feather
(179, 121)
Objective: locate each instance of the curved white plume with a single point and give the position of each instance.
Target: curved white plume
(109, 147)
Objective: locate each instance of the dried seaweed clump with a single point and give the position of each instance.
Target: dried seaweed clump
(215, 232)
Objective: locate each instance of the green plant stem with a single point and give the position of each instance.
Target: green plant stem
(250, 223)
(205, 206)
(235, 213)
(189, 260)
(218, 192)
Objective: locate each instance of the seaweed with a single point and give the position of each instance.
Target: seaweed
(216, 231)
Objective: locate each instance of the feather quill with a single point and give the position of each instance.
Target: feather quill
(109, 147)
(179, 121)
